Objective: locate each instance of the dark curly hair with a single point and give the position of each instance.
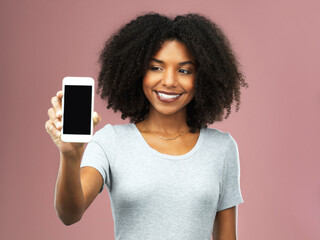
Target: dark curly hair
(126, 54)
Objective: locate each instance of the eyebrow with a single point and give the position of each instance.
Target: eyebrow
(182, 63)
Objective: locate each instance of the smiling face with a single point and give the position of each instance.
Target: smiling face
(168, 83)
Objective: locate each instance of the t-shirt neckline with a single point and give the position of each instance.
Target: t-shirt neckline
(167, 156)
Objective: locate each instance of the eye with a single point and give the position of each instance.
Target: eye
(184, 71)
(155, 68)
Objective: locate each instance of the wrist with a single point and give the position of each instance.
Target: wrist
(74, 155)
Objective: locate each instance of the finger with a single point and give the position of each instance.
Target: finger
(96, 118)
(59, 94)
(51, 129)
(48, 126)
(54, 119)
(56, 103)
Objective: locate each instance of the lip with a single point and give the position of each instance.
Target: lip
(169, 93)
(168, 100)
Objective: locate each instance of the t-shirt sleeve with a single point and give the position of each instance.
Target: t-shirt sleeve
(99, 154)
(230, 192)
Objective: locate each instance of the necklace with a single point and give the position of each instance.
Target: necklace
(168, 138)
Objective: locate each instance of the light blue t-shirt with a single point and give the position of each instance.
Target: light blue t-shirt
(156, 196)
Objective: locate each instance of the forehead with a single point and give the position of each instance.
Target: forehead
(173, 50)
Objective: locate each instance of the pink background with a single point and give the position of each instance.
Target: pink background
(276, 127)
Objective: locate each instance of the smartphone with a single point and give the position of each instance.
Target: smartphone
(77, 109)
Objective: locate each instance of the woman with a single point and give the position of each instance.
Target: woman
(168, 175)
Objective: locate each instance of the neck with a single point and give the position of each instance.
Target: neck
(166, 124)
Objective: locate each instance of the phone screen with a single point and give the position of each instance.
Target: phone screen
(77, 109)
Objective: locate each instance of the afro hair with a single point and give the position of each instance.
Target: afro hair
(125, 57)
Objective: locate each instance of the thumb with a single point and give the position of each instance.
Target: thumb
(96, 119)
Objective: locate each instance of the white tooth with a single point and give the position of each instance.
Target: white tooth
(167, 96)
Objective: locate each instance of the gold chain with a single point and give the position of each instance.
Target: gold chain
(168, 138)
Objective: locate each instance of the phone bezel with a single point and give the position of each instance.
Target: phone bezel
(83, 81)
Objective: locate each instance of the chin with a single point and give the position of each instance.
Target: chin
(167, 111)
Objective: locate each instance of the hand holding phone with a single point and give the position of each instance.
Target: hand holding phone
(54, 125)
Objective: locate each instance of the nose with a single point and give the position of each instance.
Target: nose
(169, 78)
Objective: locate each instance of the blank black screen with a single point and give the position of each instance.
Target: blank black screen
(77, 109)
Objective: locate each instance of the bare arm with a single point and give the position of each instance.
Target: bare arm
(75, 188)
(225, 225)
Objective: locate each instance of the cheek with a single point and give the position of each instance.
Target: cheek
(146, 85)
(147, 80)
(189, 86)
(190, 89)
(191, 96)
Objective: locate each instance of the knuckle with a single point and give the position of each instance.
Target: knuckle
(58, 112)
(56, 133)
(50, 111)
(57, 123)
(47, 126)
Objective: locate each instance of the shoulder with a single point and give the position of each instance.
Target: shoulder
(108, 138)
(111, 132)
(219, 139)
(106, 130)
(218, 135)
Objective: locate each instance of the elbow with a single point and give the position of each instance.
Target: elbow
(68, 221)
(68, 218)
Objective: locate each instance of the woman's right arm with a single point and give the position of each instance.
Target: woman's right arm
(75, 188)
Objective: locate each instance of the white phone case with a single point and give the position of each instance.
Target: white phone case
(73, 136)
